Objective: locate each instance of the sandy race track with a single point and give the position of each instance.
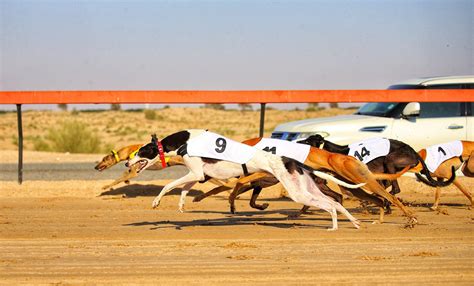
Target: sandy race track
(71, 232)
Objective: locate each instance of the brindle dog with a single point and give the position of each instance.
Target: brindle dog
(400, 156)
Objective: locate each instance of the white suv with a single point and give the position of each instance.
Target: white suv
(417, 124)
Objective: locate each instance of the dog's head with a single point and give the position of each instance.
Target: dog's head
(313, 140)
(108, 161)
(146, 156)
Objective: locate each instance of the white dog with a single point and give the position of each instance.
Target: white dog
(209, 154)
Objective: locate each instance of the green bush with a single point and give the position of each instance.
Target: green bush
(150, 114)
(73, 137)
(41, 145)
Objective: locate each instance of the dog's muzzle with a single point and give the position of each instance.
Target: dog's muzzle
(141, 165)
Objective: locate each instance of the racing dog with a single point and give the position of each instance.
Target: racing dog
(400, 155)
(206, 153)
(397, 156)
(447, 157)
(116, 157)
(123, 154)
(317, 159)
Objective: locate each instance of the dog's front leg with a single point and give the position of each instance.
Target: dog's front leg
(184, 193)
(195, 174)
(188, 178)
(126, 176)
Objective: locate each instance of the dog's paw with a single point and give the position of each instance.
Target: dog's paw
(155, 204)
(181, 209)
(356, 224)
(197, 199)
(332, 229)
(262, 206)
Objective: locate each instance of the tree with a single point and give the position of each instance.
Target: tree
(115, 107)
(245, 107)
(334, 105)
(313, 107)
(62, 106)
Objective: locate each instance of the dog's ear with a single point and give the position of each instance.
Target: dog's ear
(154, 139)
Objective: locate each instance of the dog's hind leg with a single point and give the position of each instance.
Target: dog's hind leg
(184, 193)
(464, 191)
(235, 193)
(436, 201)
(214, 191)
(253, 199)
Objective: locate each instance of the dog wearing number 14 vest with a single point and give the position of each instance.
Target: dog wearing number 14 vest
(208, 154)
(388, 155)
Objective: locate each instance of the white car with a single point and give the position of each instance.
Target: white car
(417, 124)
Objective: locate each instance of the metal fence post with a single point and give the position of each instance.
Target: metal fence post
(262, 119)
(20, 144)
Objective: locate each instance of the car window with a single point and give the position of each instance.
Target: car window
(377, 109)
(446, 86)
(438, 109)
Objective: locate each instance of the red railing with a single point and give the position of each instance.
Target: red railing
(219, 96)
(247, 96)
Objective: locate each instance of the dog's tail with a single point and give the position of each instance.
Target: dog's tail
(391, 177)
(320, 174)
(436, 183)
(336, 180)
(429, 180)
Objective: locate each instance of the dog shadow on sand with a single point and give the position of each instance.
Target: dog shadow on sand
(239, 220)
(315, 219)
(137, 190)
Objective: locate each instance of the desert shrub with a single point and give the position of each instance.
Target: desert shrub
(216, 106)
(39, 144)
(150, 114)
(14, 140)
(313, 107)
(73, 137)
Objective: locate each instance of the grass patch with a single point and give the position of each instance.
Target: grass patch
(73, 137)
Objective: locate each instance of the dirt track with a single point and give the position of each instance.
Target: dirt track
(64, 233)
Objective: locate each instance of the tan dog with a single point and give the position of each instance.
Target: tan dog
(444, 170)
(124, 154)
(345, 166)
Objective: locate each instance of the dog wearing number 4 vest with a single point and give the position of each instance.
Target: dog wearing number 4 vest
(382, 155)
(208, 154)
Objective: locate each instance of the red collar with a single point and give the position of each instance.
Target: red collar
(162, 154)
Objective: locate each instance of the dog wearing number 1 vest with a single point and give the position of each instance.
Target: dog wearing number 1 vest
(206, 153)
(442, 159)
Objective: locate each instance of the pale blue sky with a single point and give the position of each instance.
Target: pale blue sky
(141, 45)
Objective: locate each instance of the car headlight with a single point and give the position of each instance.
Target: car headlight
(303, 135)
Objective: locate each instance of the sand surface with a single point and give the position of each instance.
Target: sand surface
(71, 232)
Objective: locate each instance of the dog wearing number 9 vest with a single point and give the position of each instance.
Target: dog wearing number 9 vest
(208, 154)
